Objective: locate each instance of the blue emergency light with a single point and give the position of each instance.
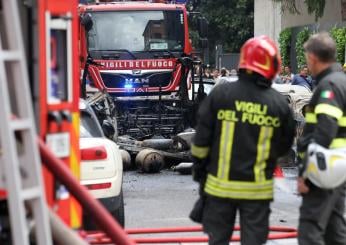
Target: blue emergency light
(128, 85)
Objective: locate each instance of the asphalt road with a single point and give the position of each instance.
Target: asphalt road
(165, 200)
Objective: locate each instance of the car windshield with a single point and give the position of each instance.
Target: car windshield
(137, 31)
(89, 127)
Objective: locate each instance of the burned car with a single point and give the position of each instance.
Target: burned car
(298, 97)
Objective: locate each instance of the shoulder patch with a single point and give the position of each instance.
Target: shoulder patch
(327, 94)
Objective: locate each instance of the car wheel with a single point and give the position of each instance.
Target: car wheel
(119, 214)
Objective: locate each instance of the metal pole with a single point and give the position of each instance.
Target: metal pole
(160, 101)
(193, 82)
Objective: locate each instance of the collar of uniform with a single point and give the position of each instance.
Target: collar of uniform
(334, 67)
(255, 79)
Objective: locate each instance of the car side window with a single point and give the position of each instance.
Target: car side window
(89, 127)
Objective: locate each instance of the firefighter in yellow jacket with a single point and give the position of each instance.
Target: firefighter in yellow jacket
(321, 220)
(243, 127)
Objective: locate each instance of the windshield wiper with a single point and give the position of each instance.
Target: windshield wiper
(169, 52)
(117, 50)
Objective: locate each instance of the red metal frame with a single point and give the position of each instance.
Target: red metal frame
(68, 209)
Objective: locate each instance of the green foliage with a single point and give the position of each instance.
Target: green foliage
(193, 30)
(285, 45)
(314, 6)
(231, 22)
(194, 36)
(339, 35)
(302, 37)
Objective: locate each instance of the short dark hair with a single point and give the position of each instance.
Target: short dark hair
(322, 46)
(223, 71)
(302, 67)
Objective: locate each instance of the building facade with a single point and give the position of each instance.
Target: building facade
(270, 20)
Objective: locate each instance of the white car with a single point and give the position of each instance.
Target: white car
(298, 97)
(101, 166)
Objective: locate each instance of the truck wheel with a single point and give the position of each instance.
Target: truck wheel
(126, 157)
(119, 214)
(149, 161)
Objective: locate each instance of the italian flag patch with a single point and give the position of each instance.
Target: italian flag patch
(327, 94)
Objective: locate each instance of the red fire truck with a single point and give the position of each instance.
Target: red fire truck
(34, 209)
(140, 54)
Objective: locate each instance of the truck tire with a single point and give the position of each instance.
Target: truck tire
(149, 161)
(127, 161)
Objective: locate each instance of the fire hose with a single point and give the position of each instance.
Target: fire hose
(101, 238)
(101, 216)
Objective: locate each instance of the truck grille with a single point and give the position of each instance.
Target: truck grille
(118, 80)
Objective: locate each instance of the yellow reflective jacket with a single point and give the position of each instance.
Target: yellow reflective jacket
(242, 129)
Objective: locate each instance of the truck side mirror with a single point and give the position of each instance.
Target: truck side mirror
(87, 21)
(203, 27)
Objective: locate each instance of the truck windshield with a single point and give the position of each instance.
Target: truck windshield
(137, 31)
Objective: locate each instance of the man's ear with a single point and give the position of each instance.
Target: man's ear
(313, 58)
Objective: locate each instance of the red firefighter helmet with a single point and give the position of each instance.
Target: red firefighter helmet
(261, 55)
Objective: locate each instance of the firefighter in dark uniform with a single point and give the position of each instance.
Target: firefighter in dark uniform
(321, 214)
(243, 127)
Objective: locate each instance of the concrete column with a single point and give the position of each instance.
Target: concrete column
(267, 18)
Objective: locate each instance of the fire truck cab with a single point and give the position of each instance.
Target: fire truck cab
(140, 54)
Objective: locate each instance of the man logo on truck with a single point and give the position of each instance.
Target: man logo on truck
(137, 80)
